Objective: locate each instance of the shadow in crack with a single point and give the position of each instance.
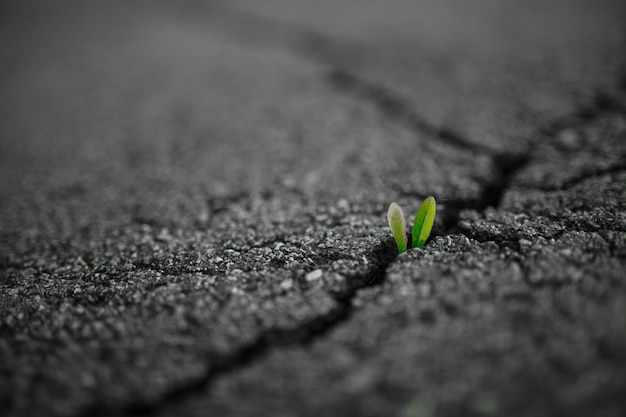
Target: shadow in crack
(219, 364)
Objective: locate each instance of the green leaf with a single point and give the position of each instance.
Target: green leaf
(395, 217)
(423, 222)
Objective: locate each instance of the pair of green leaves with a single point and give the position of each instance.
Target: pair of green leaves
(421, 226)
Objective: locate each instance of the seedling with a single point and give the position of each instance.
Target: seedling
(397, 224)
(422, 225)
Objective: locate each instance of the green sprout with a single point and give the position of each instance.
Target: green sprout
(395, 217)
(422, 225)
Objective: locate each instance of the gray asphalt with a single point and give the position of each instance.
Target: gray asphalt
(193, 201)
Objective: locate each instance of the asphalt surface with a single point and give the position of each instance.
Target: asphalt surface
(193, 208)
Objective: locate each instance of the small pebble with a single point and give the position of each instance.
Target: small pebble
(287, 284)
(313, 275)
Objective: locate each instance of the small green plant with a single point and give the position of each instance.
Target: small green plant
(422, 225)
(397, 224)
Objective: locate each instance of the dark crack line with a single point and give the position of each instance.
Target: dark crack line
(319, 47)
(395, 107)
(601, 104)
(267, 341)
(343, 52)
(578, 179)
(340, 53)
(506, 164)
(253, 29)
(506, 167)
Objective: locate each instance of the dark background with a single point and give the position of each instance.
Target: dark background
(193, 203)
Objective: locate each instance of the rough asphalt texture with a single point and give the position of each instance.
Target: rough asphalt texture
(193, 197)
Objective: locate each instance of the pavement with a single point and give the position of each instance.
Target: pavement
(193, 204)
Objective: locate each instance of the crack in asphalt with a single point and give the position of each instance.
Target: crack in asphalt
(314, 329)
(578, 179)
(601, 104)
(333, 51)
(319, 47)
(396, 108)
(506, 165)
(254, 29)
(302, 335)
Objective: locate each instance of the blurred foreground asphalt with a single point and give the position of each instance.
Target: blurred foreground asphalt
(193, 207)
